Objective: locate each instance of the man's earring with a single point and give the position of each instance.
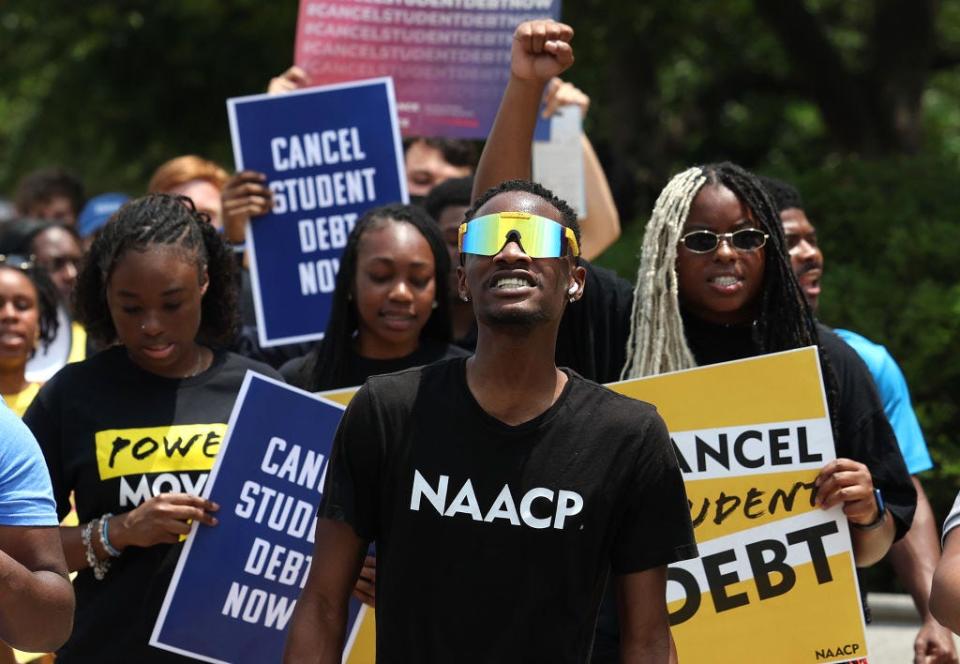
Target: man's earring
(434, 305)
(465, 298)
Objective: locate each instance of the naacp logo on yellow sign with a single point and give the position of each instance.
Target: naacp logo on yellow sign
(750, 438)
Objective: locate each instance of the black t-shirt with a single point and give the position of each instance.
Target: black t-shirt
(592, 338)
(117, 435)
(494, 541)
(360, 368)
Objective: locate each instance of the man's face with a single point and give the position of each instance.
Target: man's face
(58, 208)
(805, 255)
(426, 168)
(449, 222)
(58, 252)
(511, 288)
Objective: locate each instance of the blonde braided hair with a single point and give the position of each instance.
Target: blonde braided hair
(657, 343)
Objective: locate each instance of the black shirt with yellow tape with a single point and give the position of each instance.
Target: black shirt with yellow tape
(117, 435)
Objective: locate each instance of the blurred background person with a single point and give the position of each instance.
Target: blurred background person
(50, 193)
(95, 214)
(199, 179)
(28, 320)
(54, 247)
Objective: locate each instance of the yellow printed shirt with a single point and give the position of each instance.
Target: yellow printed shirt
(19, 401)
(116, 436)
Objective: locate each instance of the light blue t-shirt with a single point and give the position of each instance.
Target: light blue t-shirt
(895, 396)
(26, 494)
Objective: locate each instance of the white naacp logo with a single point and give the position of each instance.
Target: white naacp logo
(568, 503)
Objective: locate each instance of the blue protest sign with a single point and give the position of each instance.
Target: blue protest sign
(236, 584)
(329, 154)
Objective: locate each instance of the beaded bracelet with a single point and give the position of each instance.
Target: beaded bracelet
(98, 566)
(105, 535)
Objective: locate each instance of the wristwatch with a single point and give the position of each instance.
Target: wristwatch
(881, 514)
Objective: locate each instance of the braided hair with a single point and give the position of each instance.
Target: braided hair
(326, 366)
(657, 342)
(159, 220)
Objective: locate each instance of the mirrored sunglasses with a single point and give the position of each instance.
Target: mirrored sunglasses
(539, 237)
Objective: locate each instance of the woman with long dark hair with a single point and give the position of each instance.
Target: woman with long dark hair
(390, 308)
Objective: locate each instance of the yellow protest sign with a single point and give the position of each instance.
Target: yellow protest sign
(775, 580)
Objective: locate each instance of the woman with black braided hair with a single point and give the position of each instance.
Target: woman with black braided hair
(133, 430)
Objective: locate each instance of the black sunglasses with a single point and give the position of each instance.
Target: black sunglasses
(703, 241)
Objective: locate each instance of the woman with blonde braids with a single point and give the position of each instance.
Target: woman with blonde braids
(714, 285)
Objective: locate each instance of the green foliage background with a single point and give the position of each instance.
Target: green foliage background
(112, 88)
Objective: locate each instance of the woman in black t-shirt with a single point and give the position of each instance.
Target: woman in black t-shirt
(133, 430)
(390, 310)
(715, 284)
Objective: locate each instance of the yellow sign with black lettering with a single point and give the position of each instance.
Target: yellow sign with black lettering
(751, 437)
(179, 447)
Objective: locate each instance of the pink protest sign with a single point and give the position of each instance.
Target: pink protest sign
(449, 59)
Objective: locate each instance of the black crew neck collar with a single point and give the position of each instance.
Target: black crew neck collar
(717, 342)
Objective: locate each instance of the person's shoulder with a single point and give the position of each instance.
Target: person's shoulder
(101, 366)
(16, 439)
(290, 370)
(839, 352)
(615, 407)
(236, 362)
(608, 281)
(444, 351)
(405, 387)
(876, 356)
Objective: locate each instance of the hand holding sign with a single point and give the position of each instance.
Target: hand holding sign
(849, 482)
(162, 519)
(366, 588)
(290, 80)
(245, 195)
(541, 50)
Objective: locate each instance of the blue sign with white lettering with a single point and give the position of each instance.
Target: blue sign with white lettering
(329, 154)
(236, 584)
